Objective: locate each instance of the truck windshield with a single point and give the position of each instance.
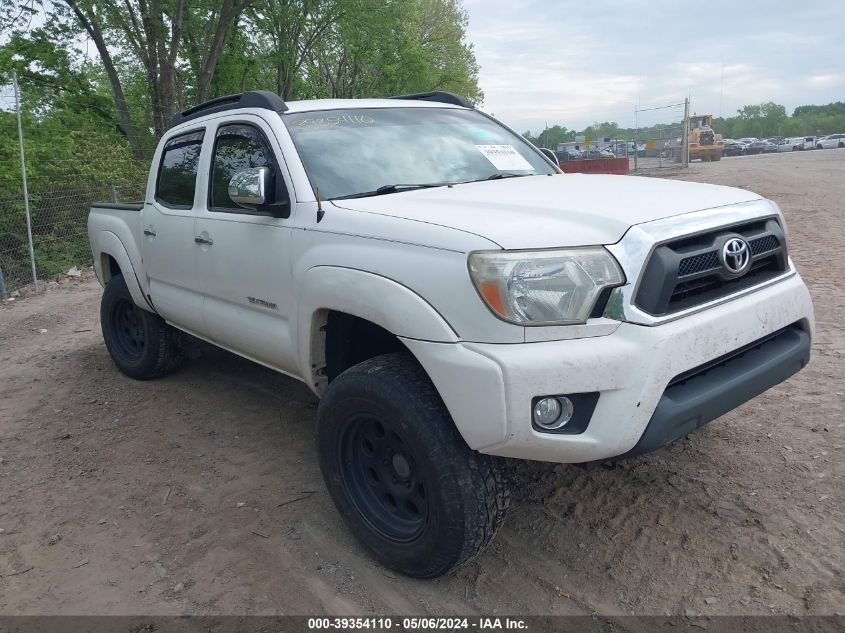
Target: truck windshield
(359, 152)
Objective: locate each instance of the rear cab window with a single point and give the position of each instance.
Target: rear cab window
(177, 172)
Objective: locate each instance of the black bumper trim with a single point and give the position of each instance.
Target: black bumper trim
(695, 398)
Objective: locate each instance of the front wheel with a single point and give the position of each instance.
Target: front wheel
(401, 476)
(140, 343)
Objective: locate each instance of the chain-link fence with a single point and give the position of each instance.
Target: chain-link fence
(660, 137)
(655, 138)
(64, 177)
(59, 234)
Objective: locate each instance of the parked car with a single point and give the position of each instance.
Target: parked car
(733, 148)
(761, 147)
(626, 148)
(568, 153)
(448, 311)
(595, 152)
(829, 142)
(805, 142)
(788, 145)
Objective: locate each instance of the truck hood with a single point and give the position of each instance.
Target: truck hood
(551, 211)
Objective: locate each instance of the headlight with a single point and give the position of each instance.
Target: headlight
(551, 287)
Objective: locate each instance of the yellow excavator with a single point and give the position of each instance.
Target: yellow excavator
(704, 143)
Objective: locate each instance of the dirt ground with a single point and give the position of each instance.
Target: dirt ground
(200, 493)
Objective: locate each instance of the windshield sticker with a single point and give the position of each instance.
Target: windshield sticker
(504, 157)
(333, 121)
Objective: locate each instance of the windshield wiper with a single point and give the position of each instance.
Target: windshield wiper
(504, 174)
(385, 189)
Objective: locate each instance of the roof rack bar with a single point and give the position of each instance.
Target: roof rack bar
(263, 99)
(439, 96)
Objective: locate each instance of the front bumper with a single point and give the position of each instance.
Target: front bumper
(488, 388)
(697, 397)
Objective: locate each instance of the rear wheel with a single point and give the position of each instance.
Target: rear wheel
(140, 343)
(401, 476)
(716, 157)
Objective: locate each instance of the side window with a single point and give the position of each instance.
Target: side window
(177, 173)
(237, 147)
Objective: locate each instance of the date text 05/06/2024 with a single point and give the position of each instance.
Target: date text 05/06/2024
(417, 623)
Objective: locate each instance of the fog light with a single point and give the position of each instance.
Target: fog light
(553, 413)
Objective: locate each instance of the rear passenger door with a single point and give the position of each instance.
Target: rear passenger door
(243, 258)
(167, 223)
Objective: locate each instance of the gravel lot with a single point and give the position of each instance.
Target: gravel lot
(200, 492)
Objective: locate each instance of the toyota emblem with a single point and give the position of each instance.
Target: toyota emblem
(736, 256)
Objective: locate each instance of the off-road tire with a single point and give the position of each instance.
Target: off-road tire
(140, 343)
(462, 495)
(716, 157)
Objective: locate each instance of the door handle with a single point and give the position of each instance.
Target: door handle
(199, 239)
(149, 232)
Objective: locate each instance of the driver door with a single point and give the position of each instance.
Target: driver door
(243, 255)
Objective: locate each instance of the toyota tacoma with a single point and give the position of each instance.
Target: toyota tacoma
(450, 297)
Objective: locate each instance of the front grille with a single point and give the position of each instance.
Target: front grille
(764, 244)
(710, 260)
(698, 263)
(688, 294)
(689, 271)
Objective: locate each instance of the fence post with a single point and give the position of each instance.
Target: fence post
(23, 177)
(685, 148)
(2, 286)
(113, 193)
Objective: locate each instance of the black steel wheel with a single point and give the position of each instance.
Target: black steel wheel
(129, 329)
(382, 479)
(399, 472)
(140, 343)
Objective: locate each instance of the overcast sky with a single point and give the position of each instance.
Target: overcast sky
(577, 62)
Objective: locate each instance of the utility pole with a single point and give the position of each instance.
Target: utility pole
(23, 177)
(637, 128)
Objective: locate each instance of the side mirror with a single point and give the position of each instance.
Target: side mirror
(252, 188)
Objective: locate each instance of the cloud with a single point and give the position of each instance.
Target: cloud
(574, 63)
(827, 81)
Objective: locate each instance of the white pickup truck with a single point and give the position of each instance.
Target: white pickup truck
(450, 297)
